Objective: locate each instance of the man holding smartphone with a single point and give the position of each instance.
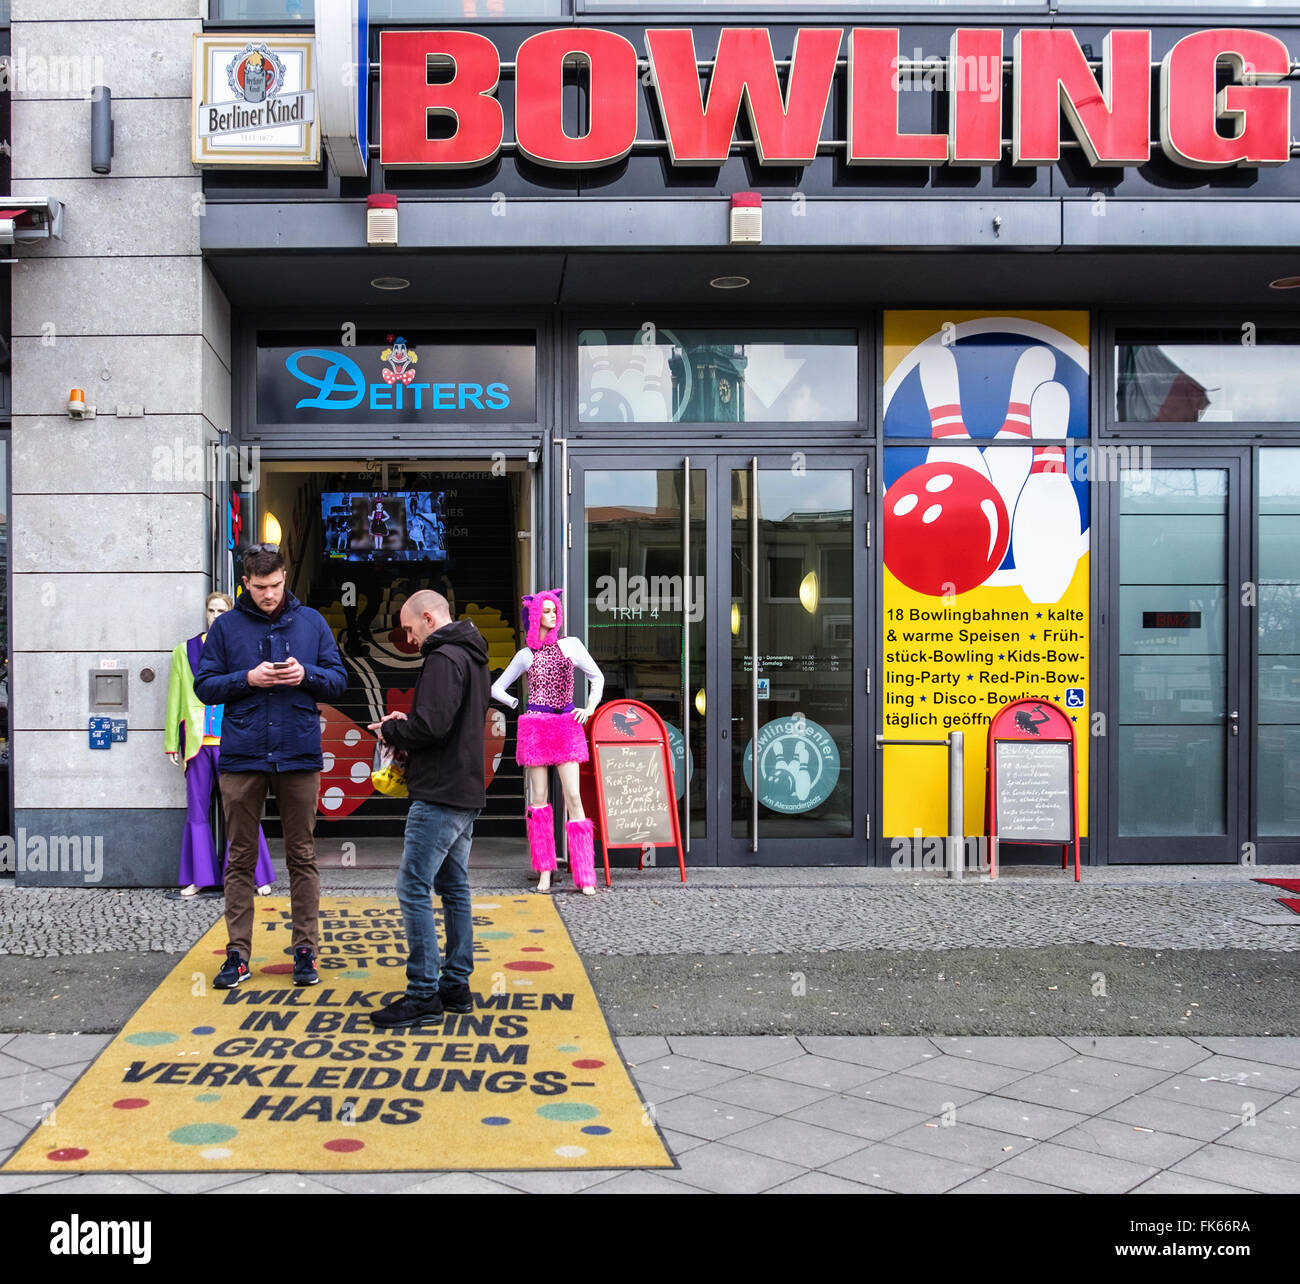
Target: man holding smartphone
(268, 661)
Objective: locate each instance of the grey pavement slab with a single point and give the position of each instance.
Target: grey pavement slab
(905, 1171)
(724, 1169)
(1023, 1053)
(822, 1072)
(794, 1141)
(1065, 1094)
(965, 1073)
(963, 1143)
(684, 1074)
(370, 1183)
(192, 1183)
(1181, 1118)
(35, 1087)
(51, 1050)
(647, 1182)
(1182, 1184)
(11, 1183)
(743, 1052)
(870, 1120)
(1171, 1054)
(1001, 1183)
(552, 1183)
(824, 1184)
(1282, 1051)
(1226, 1095)
(1236, 1167)
(278, 1184)
(679, 1143)
(12, 1066)
(1134, 1142)
(638, 1048)
(1077, 1170)
(885, 1052)
(711, 1120)
(97, 1184)
(1250, 1074)
(1020, 1118)
(1266, 1138)
(13, 1133)
(30, 1115)
(916, 1094)
(1104, 1073)
(762, 1092)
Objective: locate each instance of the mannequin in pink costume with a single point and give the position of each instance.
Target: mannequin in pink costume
(551, 734)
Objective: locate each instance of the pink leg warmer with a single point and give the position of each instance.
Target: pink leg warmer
(582, 853)
(541, 838)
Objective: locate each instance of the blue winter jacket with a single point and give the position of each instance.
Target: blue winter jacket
(267, 728)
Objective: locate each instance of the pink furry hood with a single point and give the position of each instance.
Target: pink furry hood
(532, 604)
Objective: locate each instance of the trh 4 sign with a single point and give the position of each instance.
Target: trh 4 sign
(1204, 122)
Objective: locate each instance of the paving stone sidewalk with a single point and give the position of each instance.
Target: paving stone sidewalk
(866, 1115)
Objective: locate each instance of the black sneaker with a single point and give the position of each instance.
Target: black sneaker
(233, 970)
(304, 967)
(455, 996)
(408, 1010)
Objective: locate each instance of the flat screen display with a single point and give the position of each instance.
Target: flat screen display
(391, 526)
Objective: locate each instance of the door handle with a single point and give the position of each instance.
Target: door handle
(1234, 722)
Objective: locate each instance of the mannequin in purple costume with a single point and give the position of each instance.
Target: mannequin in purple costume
(551, 734)
(199, 866)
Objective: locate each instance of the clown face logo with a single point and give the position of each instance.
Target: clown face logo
(255, 74)
(399, 361)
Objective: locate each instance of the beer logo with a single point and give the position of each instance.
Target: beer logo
(255, 74)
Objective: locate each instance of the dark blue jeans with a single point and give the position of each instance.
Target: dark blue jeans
(435, 858)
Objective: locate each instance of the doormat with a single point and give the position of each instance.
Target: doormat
(1286, 884)
(270, 1077)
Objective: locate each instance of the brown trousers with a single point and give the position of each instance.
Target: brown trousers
(244, 793)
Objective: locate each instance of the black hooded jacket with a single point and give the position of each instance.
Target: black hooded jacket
(444, 732)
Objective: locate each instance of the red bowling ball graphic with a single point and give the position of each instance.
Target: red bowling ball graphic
(946, 528)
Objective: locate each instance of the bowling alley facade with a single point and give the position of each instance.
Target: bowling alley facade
(854, 375)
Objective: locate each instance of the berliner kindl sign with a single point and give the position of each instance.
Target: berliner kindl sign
(254, 101)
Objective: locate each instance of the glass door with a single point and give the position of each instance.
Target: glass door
(644, 616)
(792, 608)
(1177, 740)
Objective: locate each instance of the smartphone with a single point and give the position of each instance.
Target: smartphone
(280, 664)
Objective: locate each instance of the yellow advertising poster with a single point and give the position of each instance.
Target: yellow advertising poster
(985, 542)
(270, 1077)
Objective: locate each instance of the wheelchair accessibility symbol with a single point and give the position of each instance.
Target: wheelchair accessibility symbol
(1074, 697)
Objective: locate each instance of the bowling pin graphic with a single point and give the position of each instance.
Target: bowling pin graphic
(1045, 529)
(939, 387)
(1008, 468)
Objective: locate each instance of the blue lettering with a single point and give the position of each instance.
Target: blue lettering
(501, 392)
(378, 391)
(397, 395)
(442, 394)
(418, 388)
(332, 392)
(472, 393)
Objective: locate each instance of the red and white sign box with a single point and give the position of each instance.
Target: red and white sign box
(1107, 108)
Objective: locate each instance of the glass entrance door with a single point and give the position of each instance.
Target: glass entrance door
(767, 630)
(1179, 658)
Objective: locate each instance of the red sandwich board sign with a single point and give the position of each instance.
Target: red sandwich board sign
(1032, 779)
(632, 761)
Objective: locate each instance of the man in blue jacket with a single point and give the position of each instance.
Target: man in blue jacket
(268, 661)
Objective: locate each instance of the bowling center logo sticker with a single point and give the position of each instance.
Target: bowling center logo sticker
(270, 1077)
(985, 539)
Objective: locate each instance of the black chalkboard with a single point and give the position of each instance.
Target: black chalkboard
(1033, 800)
(638, 803)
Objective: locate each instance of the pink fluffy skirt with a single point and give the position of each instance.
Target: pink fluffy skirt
(545, 739)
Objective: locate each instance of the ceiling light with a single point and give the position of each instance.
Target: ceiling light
(1285, 283)
(390, 283)
(729, 282)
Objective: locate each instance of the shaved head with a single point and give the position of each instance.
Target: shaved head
(423, 613)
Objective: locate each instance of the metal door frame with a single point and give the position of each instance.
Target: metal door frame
(1238, 661)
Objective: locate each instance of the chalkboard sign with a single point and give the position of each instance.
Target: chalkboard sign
(638, 807)
(1033, 792)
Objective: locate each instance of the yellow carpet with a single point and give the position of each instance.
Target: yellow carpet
(273, 1077)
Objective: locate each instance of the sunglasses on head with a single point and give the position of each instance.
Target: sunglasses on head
(264, 548)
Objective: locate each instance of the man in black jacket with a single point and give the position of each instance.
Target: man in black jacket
(443, 736)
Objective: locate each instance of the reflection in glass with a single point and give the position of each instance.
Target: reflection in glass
(1278, 734)
(636, 601)
(732, 376)
(1206, 376)
(805, 654)
(1173, 604)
